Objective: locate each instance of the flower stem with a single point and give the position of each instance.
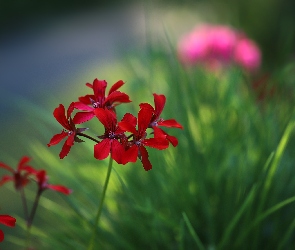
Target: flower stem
(24, 202)
(30, 219)
(89, 137)
(91, 243)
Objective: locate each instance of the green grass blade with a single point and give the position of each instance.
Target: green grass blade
(193, 232)
(264, 215)
(236, 218)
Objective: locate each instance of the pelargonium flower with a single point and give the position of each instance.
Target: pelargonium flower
(20, 176)
(6, 220)
(42, 181)
(70, 131)
(136, 147)
(110, 139)
(157, 120)
(89, 103)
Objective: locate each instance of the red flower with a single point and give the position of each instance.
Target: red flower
(111, 137)
(6, 220)
(42, 179)
(70, 130)
(136, 147)
(89, 103)
(20, 176)
(156, 120)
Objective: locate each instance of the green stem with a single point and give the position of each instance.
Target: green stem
(91, 243)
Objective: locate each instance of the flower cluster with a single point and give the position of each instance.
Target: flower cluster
(125, 140)
(26, 173)
(21, 177)
(217, 45)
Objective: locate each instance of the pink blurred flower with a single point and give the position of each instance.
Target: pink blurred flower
(193, 47)
(216, 46)
(221, 41)
(247, 54)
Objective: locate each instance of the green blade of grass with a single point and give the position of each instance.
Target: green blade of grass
(263, 216)
(236, 218)
(193, 232)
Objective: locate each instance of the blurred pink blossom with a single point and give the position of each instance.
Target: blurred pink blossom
(194, 46)
(216, 46)
(247, 54)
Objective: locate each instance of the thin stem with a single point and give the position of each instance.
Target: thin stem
(24, 202)
(34, 208)
(30, 219)
(91, 243)
(88, 137)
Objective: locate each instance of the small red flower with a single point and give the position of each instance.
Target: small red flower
(42, 181)
(20, 176)
(136, 147)
(69, 131)
(6, 220)
(89, 103)
(110, 143)
(156, 120)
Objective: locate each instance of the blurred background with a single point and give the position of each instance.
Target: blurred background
(48, 51)
(45, 48)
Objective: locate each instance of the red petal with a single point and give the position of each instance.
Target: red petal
(59, 114)
(81, 117)
(172, 123)
(117, 97)
(116, 86)
(126, 126)
(1, 236)
(60, 188)
(102, 149)
(5, 179)
(130, 155)
(70, 109)
(160, 101)
(145, 158)
(83, 104)
(159, 133)
(57, 138)
(173, 140)
(89, 85)
(70, 140)
(23, 161)
(41, 176)
(158, 143)
(3, 165)
(107, 118)
(99, 87)
(7, 220)
(130, 119)
(117, 151)
(64, 151)
(144, 119)
(146, 106)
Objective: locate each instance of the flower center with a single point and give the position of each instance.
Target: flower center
(95, 104)
(155, 123)
(112, 135)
